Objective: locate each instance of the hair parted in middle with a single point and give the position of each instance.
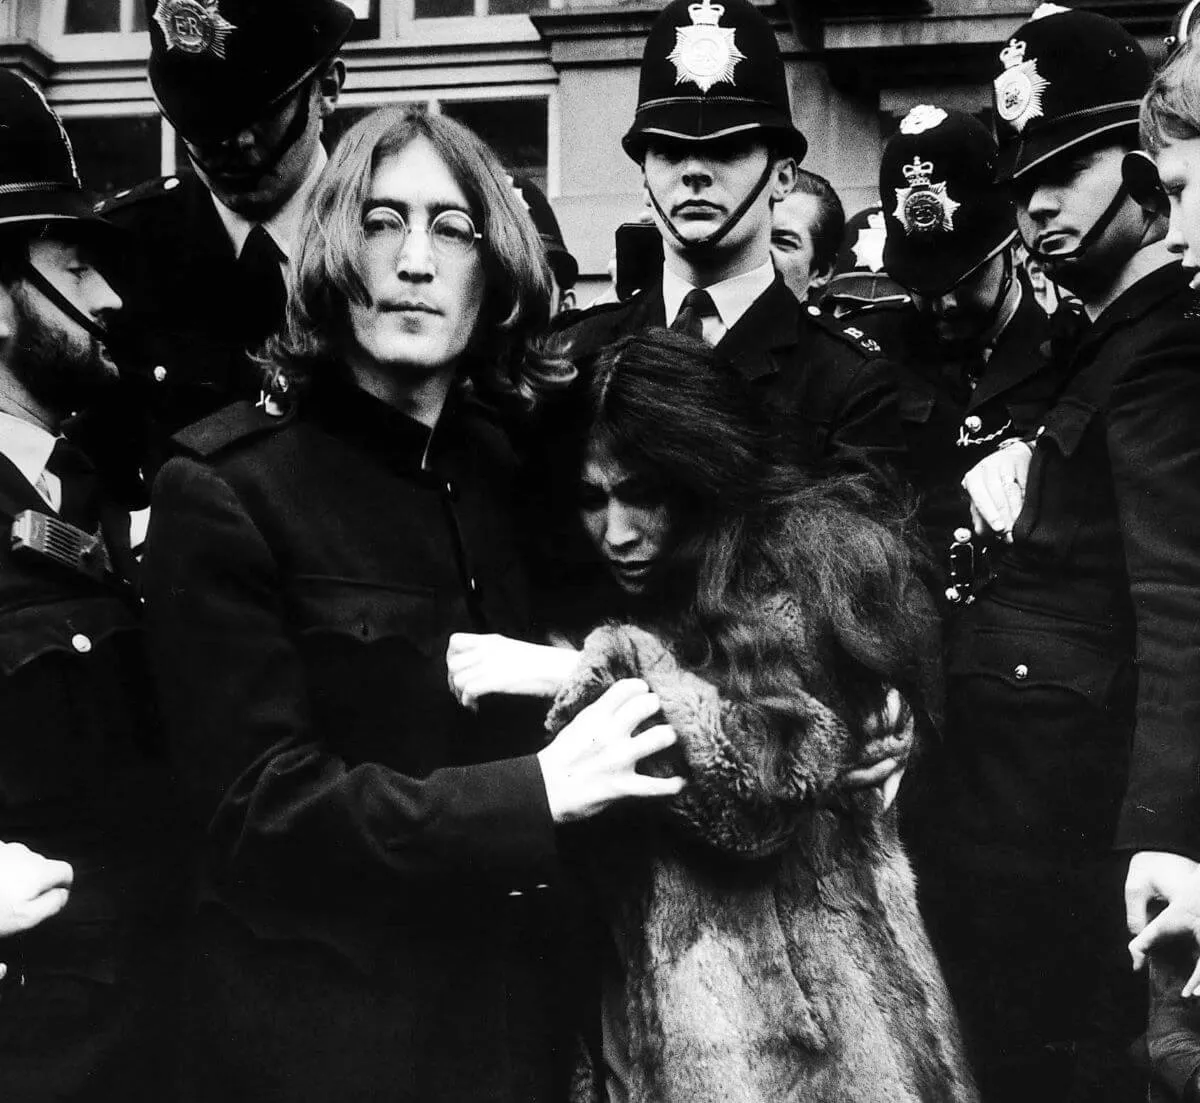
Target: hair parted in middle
(500, 360)
(1171, 106)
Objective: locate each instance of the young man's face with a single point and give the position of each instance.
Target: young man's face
(424, 279)
(50, 354)
(1179, 169)
(257, 170)
(698, 185)
(1060, 201)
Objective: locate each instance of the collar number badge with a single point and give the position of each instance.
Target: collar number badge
(924, 207)
(1019, 88)
(194, 26)
(705, 53)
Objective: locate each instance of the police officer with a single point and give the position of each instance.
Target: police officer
(714, 137)
(859, 278)
(1081, 646)
(564, 268)
(972, 342)
(85, 1009)
(247, 84)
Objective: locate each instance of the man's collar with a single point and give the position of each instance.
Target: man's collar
(26, 445)
(732, 297)
(284, 224)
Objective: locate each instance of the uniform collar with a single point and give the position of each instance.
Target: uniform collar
(284, 224)
(732, 297)
(26, 446)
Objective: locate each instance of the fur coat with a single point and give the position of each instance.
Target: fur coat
(766, 928)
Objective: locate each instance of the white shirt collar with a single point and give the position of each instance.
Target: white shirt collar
(732, 297)
(27, 446)
(284, 224)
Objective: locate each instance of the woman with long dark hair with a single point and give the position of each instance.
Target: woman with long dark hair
(767, 943)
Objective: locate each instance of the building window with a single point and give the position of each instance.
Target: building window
(104, 16)
(433, 9)
(516, 129)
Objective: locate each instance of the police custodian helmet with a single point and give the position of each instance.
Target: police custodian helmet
(217, 66)
(1066, 77)
(712, 70)
(944, 213)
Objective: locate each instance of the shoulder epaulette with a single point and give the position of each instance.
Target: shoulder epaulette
(234, 424)
(127, 197)
(849, 334)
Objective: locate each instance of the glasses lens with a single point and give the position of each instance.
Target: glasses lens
(452, 232)
(383, 224)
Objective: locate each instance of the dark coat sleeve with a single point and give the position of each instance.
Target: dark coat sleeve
(867, 424)
(1154, 448)
(281, 810)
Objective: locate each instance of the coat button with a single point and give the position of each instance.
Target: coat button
(973, 424)
(160, 373)
(81, 643)
(516, 892)
(451, 490)
(1020, 672)
(815, 311)
(473, 585)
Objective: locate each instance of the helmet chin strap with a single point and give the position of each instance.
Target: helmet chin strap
(1089, 239)
(719, 233)
(993, 314)
(39, 280)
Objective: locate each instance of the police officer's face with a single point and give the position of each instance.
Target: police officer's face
(424, 295)
(1179, 169)
(968, 309)
(792, 223)
(626, 520)
(257, 170)
(1060, 201)
(699, 184)
(50, 354)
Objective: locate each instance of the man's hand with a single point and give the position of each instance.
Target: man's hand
(1179, 920)
(592, 762)
(1154, 875)
(890, 738)
(478, 665)
(996, 487)
(32, 888)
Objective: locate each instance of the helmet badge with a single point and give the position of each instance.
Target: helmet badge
(1019, 88)
(924, 207)
(705, 53)
(193, 26)
(868, 246)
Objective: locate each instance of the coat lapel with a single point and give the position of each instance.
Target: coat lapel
(1018, 353)
(769, 325)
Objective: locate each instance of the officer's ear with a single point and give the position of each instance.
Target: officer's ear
(783, 177)
(329, 85)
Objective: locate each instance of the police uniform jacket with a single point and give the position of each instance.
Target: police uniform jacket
(1084, 643)
(187, 317)
(85, 1011)
(956, 409)
(835, 387)
(371, 921)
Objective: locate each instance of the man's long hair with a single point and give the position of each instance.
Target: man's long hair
(750, 525)
(1171, 107)
(327, 272)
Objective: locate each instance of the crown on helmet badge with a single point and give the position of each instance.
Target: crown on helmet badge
(1020, 87)
(194, 26)
(924, 207)
(705, 53)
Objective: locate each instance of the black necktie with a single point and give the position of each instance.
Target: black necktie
(697, 305)
(263, 292)
(80, 504)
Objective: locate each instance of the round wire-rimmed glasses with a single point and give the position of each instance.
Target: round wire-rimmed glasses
(451, 232)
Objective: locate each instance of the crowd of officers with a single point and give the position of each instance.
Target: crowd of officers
(1055, 459)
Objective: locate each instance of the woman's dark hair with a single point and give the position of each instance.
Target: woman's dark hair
(749, 525)
(326, 276)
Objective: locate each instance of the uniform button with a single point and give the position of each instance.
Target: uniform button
(451, 491)
(170, 183)
(81, 643)
(473, 585)
(516, 892)
(814, 311)
(160, 373)
(1020, 672)
(973, 424)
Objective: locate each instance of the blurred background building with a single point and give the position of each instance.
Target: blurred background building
(551, 84)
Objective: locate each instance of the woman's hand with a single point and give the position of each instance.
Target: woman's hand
(889, 735)
(32, 888)
(479, 665)
(592, 762)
